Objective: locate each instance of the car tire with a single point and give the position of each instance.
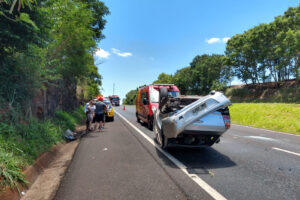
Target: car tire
(158, 137)
(137, 118)
(161, 140)
(112, 119)
(150, 124)
(163, 93)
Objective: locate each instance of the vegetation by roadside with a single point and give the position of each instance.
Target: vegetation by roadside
(130, 97)
(289, 92)
(23, 140)
(274, 116)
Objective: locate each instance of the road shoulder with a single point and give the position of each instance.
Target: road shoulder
(47, 183)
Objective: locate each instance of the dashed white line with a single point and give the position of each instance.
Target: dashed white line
(267, 130)
(211, 191)
(286, 151)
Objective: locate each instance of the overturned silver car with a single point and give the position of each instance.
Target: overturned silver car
(191, 120)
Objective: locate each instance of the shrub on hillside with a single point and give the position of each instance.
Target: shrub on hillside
(236, 92)
(64, 120)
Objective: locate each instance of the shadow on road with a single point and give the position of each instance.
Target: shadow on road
(198, 158)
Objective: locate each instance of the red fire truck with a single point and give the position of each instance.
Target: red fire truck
(114, 100)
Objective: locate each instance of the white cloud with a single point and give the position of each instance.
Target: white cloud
(102, 53)
(119, 53)
(217, 40)
(213, 40)
(225, 39)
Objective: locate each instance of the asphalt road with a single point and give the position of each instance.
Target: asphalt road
(121, 163)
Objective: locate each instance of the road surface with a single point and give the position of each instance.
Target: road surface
(122, 162)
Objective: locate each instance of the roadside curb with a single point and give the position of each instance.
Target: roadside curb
(31, 172)
(54, 158)
(47, 183)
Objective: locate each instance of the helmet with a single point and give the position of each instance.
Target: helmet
(100, 98)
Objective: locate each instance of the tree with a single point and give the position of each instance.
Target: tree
(164, 78)
(53, 46)
(21, 66)
(99, 11)
(267, 50)
(130, 97)
(206, 69)
(182, 79)
(241, 58)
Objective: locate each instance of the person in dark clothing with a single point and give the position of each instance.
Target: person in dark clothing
(99, 113)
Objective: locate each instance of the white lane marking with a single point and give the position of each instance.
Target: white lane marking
(261, 138)
(211, 191)
(262, 129)
(286, 151)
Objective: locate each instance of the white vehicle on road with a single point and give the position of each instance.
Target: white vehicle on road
(191, 120)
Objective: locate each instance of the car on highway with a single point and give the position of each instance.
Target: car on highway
(109, 115)
(147, 101)
(191, 120)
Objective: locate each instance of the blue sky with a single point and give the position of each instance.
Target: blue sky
(147, 37)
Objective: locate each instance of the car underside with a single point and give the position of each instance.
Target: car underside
(191, 120)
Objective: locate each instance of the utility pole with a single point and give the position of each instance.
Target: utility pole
(114, 89)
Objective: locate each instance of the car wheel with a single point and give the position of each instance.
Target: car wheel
(158, 137)
(161, 140)
(137, 118)
(163, 93)
(150, 124)
(112, 119)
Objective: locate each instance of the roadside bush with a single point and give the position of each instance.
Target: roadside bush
(22, 142)
(236, 92)
(79, 115)
(10, 170)
(218, 86)
(285, 94)
(64, 120)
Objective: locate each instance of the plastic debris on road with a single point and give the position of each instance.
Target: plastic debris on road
(69, 135)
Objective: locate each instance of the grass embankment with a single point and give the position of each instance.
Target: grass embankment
(273, 116)
(22, 143)
(265, 94)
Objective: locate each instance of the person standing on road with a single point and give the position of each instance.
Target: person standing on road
(99, 113)
(86, 114)
(91, 113)
(89, 110)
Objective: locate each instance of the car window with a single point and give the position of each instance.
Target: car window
(154, 95)
(142, 97)
(173, 93)
(146, 96)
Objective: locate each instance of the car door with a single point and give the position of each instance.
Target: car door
(143, 109)
(146, 106)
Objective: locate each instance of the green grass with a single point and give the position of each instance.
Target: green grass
(274, 116)
(22, 143)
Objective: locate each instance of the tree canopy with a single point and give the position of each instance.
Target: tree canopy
(130, 98)
(267, 51)
(49, 41)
